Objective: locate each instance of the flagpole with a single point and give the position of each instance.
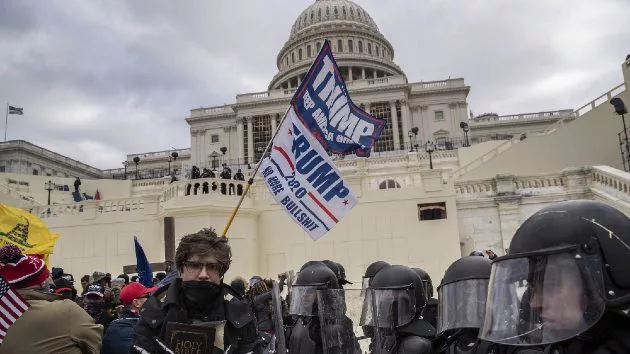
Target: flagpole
(6, 122)
(251, 179)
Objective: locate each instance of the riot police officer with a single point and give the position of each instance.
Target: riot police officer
(393, 305)
(564, 285)
(319, 325)
(371, 271)
(430, 311)
(462, 305)
(339, 271)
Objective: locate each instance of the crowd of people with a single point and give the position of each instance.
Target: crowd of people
(563, 287)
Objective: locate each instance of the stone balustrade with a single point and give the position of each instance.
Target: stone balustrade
(606, 97)
(612, 182)
(491, 119)
(90, 209)
(208, 111)
(207, 187)
(437, 85)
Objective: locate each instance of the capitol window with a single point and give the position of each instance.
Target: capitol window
(439, 115)
(319, 46)
(340, 46)
(350, 48)
(389, 184)
(360, 46)
(431, 211)
(300, 54)
(214, 138)
(377, 51)
(308, 50)
(292, 57)
(370, 48)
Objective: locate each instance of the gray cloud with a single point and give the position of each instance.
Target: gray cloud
(100, 79)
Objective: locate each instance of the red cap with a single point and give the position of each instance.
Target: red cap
(133, 291)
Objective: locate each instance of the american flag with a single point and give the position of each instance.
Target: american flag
(12, 306)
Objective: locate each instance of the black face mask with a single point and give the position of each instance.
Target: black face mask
(200, 295)
(94, 310)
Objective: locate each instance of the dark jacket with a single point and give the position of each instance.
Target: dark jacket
(240, 327)
(119, 335)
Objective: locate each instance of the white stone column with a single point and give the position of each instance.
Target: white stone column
(406, 124)
(250, 140)
(363, 73)
(349, 73)
(392, 105)
(367, 108)
(239, 138)
(274, 124)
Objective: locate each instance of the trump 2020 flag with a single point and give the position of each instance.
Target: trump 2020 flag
(324, 106)
(143, 267)
(304, 180)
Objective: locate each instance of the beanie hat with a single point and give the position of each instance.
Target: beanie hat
(21, 271)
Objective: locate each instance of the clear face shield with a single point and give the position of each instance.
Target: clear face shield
(304, 300)
(388, 308)
(462, 304)
(543, 299)
(365, 283)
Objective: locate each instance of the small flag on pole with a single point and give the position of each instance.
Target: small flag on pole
(323, 104)
(12, 306)
(16, 110)
(143, 267)
(299, 173)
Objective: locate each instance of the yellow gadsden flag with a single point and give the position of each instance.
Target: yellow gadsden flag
(26, 231)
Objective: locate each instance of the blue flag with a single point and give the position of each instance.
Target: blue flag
(324, 106)
(143, 267)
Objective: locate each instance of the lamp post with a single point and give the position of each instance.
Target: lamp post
(125, 163)
(49, 186)
(214, 159)
(620, 109)
(466, 129)
(223, 150)
(415, 130)
(136, 160)
(429, 148)
(410, 134)
(172, 157)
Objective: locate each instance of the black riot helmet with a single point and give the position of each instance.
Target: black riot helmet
(393, 298)
(342, 275)
(312, 263)
(566, 265)
(462, 294)
(311, 279)
(426, 282)
(371, 271)
(319, 275)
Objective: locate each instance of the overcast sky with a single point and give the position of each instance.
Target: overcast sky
(101, 79)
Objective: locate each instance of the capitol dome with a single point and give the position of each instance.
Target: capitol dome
(360, 49)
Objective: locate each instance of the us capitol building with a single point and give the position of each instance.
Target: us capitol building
(422, 205)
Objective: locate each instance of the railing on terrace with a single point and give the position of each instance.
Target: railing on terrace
(606, 97)
(611, 181)
(436, 85)
(524, 185)
(93, 208)
(491, 119)
(204, 111)
(165, 154)
(210, 187)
